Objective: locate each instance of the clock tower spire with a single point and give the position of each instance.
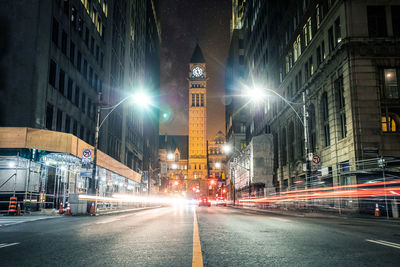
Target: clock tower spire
(197, 165)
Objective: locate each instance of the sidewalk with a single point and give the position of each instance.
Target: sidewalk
(316, 214)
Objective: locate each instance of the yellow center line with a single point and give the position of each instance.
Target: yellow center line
(197, 257)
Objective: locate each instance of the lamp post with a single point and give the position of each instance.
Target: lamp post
(258, 94)
(144, 100)
(227, 149)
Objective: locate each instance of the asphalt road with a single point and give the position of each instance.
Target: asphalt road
(228, 237)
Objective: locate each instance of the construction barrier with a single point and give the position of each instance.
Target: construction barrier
(18, 210)
(92, 209)
(377, 212)
(68, 210)
(12, 207)
(61, 210)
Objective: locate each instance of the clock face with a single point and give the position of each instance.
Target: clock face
(197, 72)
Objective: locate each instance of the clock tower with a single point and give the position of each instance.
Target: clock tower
(197, 165)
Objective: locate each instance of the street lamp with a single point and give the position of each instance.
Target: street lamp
(140, 98)
(256, 94)
(227, 149)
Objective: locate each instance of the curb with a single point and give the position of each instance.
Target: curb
(319, 215)
(124, 211)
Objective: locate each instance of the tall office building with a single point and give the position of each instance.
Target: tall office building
(343, 56)
(59, 56)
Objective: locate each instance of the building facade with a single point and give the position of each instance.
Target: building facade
(173, 154)
(81, 54)
(342, 57)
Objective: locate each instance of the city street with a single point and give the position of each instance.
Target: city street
(228, 237)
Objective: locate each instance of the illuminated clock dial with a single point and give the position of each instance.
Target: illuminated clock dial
(197, 72)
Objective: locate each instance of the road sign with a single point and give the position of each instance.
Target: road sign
(316, 159)
(86, 156)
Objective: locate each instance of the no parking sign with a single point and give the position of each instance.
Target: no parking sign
(86, 156)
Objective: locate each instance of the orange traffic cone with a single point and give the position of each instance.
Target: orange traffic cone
(68, 210)
(92, 209)
(61, 210)
(18, 210)
(377, 212)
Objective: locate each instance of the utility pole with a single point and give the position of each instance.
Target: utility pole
(92, 182)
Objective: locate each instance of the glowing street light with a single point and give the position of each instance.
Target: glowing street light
(170, 156)
(218, 165)
(140, 98)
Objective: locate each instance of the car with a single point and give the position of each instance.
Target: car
(220, 201)
(204, 201)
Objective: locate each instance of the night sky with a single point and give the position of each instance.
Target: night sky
(184, 22)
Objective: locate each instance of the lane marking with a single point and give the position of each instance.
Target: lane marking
(7, 245)
(108, 221)
(385, 243)
(280, 219)
(197, 260)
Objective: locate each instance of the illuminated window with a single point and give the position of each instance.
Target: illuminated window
(390, 84)
(389, 125)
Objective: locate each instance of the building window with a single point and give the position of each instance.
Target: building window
(283, 148)
(49, 116)
(61, 82)
(376, 21)
(64, 42)
(69, 89)
(331, 40)
(67, 124)
(79, 62)
(75, 128)
(325, 120)
(318, 16)
(193, 100)
(390, 87)
(340, 106)
(82, 133)
(389, 124)
(307, 30)
(312, 128)
(83, 104)
(319, 56)
(197, 100)
(59, 120)
(54, 32)
(85, 72)
(202, 100)
(297, 48)
(300, 140)
(72, 52)
(77, 95)
(396, 20)
(52, 73)
(338, 31)
(292, 141)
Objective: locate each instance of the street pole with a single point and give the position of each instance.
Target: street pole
(92, 182)
(382, 165)
(306, 142)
